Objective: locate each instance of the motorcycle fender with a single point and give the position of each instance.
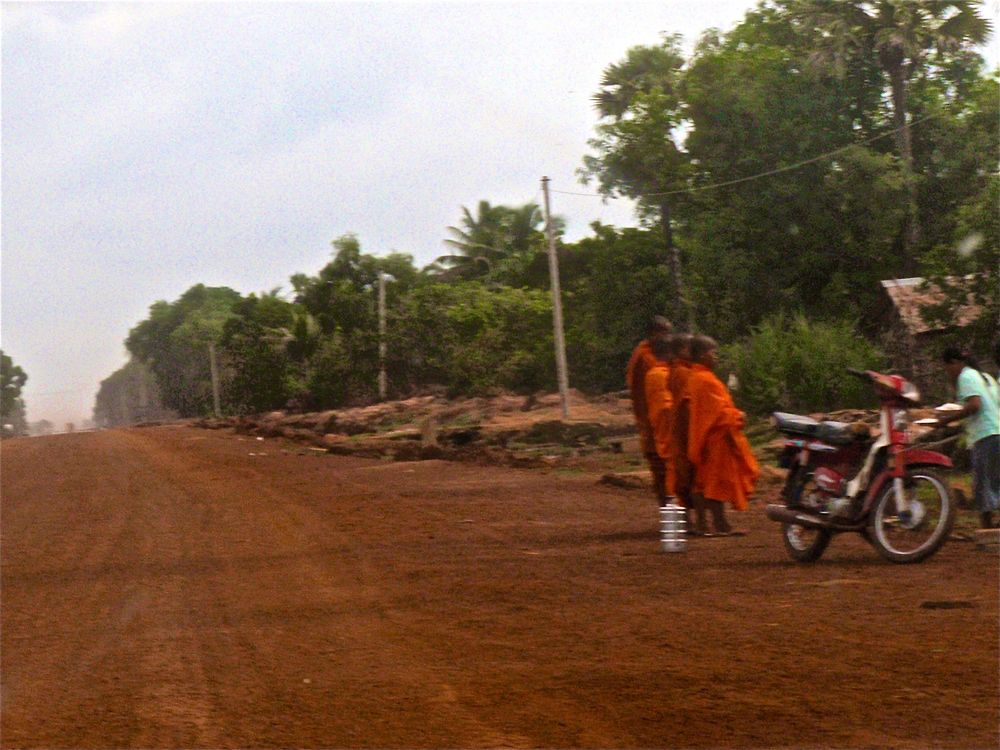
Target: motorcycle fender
(913, 458)
(918, 457)
(875, 488)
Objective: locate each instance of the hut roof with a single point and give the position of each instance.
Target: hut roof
(910, 296)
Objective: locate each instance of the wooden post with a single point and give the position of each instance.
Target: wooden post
(215, 379)
(382, 381)
(557, 319)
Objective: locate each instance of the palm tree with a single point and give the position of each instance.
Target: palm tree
(900, 34)
(478, 241)
(494, 234)
(638, 100)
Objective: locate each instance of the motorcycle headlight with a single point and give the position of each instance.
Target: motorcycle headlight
(899, 418)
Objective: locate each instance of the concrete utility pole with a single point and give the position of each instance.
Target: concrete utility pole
(215, 379)
(382, 382)
(557, 319)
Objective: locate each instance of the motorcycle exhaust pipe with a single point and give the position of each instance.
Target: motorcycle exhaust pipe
(786, 515)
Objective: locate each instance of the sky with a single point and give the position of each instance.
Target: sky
(149, 147)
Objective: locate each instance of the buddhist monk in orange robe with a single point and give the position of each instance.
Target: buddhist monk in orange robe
(680, 472)
(635, 378)
(658, 406)
(725, 467)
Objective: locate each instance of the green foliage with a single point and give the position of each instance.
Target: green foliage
(255, 342)
(614, 284)
(12, 380)
(472, 339)
(818, 236)
(794, 364)
(174, 343)
(499, 245)
(636, 152)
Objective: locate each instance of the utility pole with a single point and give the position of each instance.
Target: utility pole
(382, 383)
(143, 395)
(215, 379)
(557, 319)
(123, 400)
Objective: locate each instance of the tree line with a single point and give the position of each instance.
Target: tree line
(780, 172)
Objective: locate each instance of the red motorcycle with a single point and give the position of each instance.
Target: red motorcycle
(843, 478)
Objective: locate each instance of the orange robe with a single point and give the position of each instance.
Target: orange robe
(635, 377)
(725, 467)
(680, 473)
(658, 406)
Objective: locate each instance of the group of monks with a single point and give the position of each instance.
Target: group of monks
(690, 430)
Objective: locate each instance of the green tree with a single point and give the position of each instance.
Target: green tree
(900, 35)
(472, 339)
(335, 338)
(499, 244)
(478, 241)
(956, 149)
(637, 155)
(12, 380)
(255, 341)
(792, 363)
(127, 396)
(769, 226)
(174, 343)
(967, 271)
(613, 282)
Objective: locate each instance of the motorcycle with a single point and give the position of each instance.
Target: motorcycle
(841, 479)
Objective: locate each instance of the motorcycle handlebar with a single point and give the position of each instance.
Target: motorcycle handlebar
(859, 373)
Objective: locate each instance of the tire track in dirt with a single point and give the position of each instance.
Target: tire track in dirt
(123, 666)
(368, 637)
(224, 593)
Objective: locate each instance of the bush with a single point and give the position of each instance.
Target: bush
(472, 339)
(799, 365)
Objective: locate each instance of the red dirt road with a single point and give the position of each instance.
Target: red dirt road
(163, 588)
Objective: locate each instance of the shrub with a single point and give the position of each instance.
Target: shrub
(794, 364)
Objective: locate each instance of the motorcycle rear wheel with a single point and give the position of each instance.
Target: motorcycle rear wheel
(805, 544)
(910, 539)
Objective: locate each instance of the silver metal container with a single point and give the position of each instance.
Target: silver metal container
(673, 537)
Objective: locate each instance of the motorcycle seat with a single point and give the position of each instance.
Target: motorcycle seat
(838, 433)
(795, 423)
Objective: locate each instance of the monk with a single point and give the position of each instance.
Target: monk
(680, 472)
(635, 378)
(725, 467)
(658, 406)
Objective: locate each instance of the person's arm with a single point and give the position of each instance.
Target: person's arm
(971, 407)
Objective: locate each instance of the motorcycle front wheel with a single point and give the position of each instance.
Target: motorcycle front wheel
(919, 531)
(805, 544)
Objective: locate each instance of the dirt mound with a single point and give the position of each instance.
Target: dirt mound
(505, 429)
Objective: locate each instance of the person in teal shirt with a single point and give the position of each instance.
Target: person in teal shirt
(980, 397)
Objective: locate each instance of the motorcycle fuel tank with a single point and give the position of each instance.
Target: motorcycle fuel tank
(829, 481)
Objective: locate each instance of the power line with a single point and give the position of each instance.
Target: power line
(770, 172)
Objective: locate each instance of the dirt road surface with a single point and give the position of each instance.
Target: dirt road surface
(176, 588)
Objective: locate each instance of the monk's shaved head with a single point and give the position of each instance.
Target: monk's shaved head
(661, 347)
(680, 346)
(700, 346)
(660, 326)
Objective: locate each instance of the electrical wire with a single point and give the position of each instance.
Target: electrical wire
(770, 172)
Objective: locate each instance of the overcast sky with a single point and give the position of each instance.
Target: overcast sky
(150, 147)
